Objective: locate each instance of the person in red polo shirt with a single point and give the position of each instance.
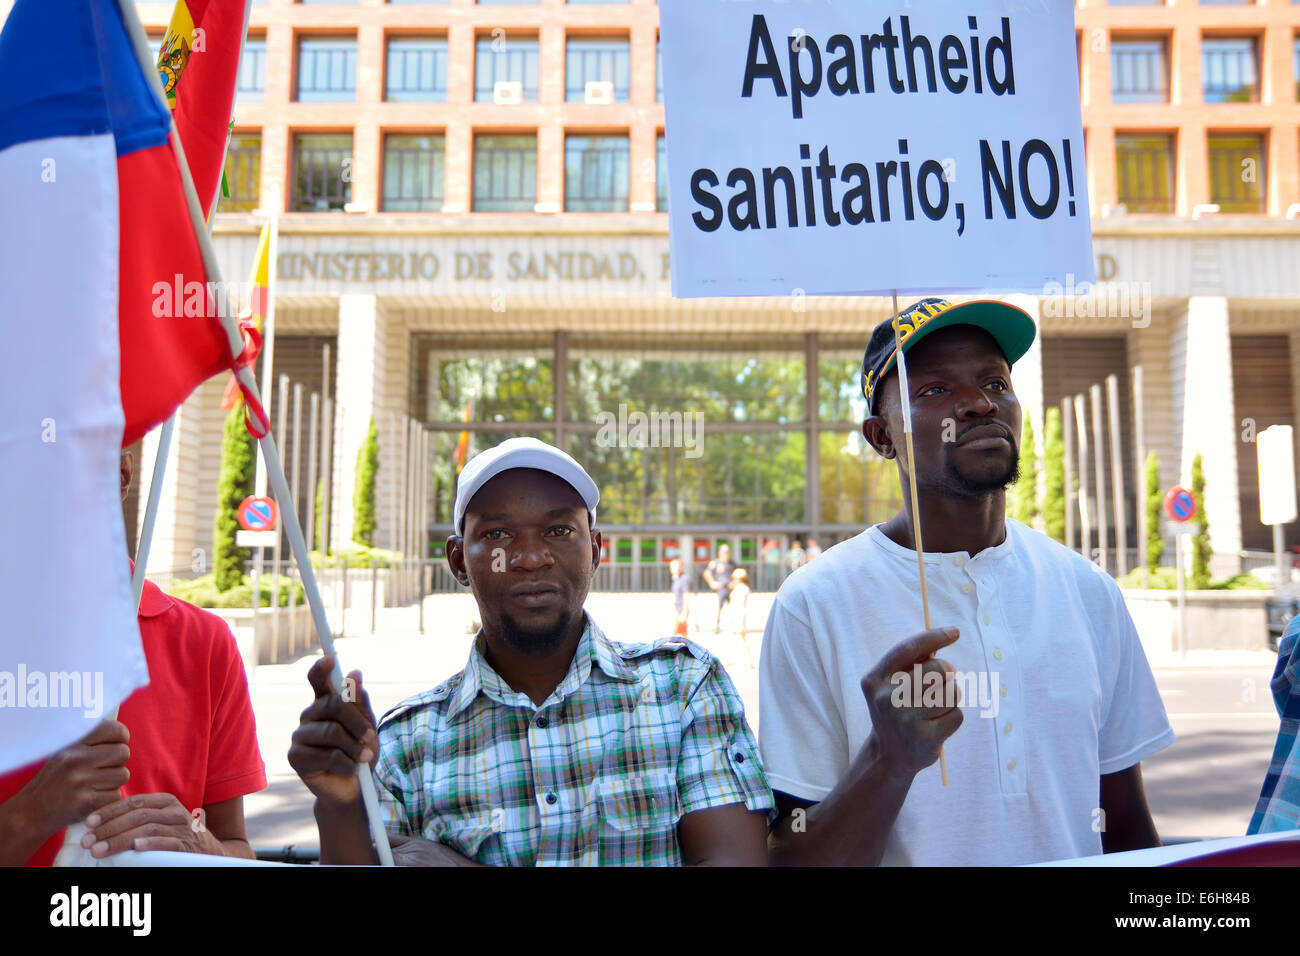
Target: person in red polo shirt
(183, 752)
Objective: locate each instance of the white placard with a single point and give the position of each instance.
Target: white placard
(1276, 448)
(842, 147)
(255, 539)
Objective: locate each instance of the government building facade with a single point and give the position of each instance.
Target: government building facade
(471, 237)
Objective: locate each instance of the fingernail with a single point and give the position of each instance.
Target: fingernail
(99, 848)
(93, 820)
(952, 632)
(140, 843)
(367, 755)
(88, 840)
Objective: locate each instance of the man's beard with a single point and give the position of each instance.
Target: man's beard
(956, 485)
(523, 640)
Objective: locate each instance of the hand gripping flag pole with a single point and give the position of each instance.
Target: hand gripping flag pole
(905, 402)
(275, 470)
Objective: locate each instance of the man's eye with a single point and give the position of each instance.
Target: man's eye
(932, 390)
(562, 531)
(998, 384)
(495, 534)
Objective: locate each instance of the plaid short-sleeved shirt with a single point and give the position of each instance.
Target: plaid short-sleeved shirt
(632, 739)
(1279, 800)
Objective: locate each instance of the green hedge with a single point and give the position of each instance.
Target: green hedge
(203, 592)
(1166, 579)
(357, 556)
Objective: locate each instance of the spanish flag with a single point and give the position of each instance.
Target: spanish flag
(251, 316)
(462, 446)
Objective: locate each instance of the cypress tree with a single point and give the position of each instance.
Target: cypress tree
(363, 498)
(1151, 502)
(238, 460)
(1024, 505)
(1201, 550)
(1054, 476)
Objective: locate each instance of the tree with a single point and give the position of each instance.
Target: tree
(233, 486)
(1054, 476)
(1024, 503)
(363, 498)
(1201, 549)
(1151, 504)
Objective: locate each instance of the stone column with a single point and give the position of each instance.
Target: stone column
(1205, 420)
(359, 392)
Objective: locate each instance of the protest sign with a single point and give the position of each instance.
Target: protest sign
(842, 147)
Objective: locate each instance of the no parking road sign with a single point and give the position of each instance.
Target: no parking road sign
(1180, 504)
(257, 514)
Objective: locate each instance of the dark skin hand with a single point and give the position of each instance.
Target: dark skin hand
(528, 554)
(81, 783)
(71, 785)
(966, 424)
(903, 741)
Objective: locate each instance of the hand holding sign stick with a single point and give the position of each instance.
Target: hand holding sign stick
(905, 401)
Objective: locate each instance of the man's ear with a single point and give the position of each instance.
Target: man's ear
(455, 551)
(127, 472)
(876, 431)
(596, 540)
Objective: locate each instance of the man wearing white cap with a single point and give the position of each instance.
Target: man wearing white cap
(554, 746)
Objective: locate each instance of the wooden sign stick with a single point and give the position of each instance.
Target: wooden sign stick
(905, 396)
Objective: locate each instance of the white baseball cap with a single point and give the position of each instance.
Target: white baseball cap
(521, 453)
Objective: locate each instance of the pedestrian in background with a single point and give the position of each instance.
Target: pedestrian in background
(681, 602)
(717, 575)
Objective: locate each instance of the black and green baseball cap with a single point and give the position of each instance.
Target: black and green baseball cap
(1011, 328)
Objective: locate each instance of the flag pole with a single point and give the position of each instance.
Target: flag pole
(244, 374)
(905, 401)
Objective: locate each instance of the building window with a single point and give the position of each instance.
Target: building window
(661, 175)
(594, 68)
(327, 70)
(505, 70)
(243, 173)
(505, 173)
(1295, 63)
(1237, 171)
(1144, 171)
(250, 87)
(417, 71)
(1228, 70)
(596, 173)
(1139, 71)
(413, 173)
(659, 72)
(322, 171)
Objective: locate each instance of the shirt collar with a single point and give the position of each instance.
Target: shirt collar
(997, 551)
(152, 600)
(479, 677)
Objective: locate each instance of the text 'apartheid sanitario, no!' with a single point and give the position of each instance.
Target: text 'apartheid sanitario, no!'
(935, 134)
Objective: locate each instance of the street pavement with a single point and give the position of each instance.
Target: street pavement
(1205, 785)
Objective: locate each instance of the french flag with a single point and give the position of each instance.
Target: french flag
(95, 216)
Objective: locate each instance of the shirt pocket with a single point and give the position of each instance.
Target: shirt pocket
(639, 802)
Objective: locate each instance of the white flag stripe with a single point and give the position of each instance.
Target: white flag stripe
(64, 580)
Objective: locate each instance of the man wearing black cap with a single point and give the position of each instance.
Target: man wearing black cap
(554, 746)
(1043, 698)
